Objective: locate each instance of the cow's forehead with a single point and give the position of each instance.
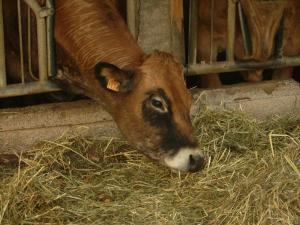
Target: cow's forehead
(162, 62)
(161, 71)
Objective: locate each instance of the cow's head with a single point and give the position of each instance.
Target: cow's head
(263, 18)
(151, 106)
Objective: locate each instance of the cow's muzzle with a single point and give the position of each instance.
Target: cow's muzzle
(186, 159)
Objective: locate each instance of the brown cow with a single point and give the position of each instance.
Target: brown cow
(291, 40)
(145, 94)
(263, 19)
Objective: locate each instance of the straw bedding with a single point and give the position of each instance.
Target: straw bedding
(252, 177)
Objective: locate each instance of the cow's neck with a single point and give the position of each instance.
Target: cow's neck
(93, 31)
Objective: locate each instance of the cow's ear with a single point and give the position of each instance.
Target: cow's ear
(113, 78)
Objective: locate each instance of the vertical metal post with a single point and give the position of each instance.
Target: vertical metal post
(50, 40)
(42, 38)
(231, 30)
(29, 44)
(2, 50)
(193, 32)
(21, 41)
(212, 9)
(246, 40)
(42, 48)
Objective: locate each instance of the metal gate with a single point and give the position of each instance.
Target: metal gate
(45, 43)
(229, 65)
(44, 17)
(44, 29)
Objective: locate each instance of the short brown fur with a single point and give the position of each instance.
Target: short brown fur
(89, 33)
(263, 21)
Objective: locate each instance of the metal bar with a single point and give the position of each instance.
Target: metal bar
(42, 37)
(131, 17)
(42, 48)
(35, 6)
(29, 44)
(231, 30)
(35, 87)
(50, 40)
(21, 41)
(246, 40)
(2, 50)
(193, 32)
(223, 67)
(212, 9)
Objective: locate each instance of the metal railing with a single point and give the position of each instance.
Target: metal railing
(2, 50)
(45, 48)
(229, 65)
(45, 51)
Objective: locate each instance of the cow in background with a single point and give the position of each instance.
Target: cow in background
(291, 37)
(145, 93)
(263, 20)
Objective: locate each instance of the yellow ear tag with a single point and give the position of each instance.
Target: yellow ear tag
(113, 85)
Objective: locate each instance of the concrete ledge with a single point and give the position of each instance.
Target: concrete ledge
(258, 100)
(22, 127)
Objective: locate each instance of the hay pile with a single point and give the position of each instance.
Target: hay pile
(253, 177)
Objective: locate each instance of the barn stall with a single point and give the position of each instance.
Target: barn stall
(228, 138)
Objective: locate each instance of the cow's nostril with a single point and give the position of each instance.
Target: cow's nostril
(196, 162)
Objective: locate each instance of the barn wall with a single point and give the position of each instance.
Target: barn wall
(160, 26)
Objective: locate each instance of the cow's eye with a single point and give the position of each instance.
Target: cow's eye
(158, 104)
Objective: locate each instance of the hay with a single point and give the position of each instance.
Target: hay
(252, 177)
